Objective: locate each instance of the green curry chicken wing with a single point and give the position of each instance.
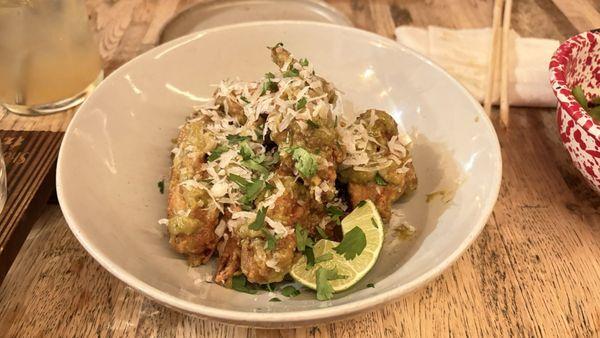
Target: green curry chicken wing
(192, 214)
(267, 158)
(382, 171)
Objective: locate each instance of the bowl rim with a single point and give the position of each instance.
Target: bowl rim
(300, 317)
(558, 65)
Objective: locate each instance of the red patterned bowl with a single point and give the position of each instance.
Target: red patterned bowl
(577, 62)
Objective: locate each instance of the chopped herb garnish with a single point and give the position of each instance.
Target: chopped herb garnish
(271, 240)
(245, 150)
(373, 222)
(310, 257)
(302, 239)
(235, 139)
(259, 221)
(239, 180)
(161, 186)
(324, 258)
(353, 244)
(361, 203)
(269, 75)
(216, 153)
(301, 104)
(255, 166)
(312, 124)
(324, 289)
(293, 72)
(370, 285)
(379, 180)
(274, 299)
(335, 213)
(269, 85)
(306, 163)
(304, 62)
(322, 232)
(252, 190)
(239, 283)
(243, 98)
(290, 291)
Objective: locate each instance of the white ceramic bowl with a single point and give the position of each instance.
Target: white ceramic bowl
(117, 148)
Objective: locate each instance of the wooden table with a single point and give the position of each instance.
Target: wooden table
(535, 269)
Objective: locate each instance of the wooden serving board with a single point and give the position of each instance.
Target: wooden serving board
(30, 158)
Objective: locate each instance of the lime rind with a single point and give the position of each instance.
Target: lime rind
(354, 269)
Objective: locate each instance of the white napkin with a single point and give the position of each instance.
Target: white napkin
(464, 53)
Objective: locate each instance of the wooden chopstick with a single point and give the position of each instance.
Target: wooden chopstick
(504, 105)
(494, 56)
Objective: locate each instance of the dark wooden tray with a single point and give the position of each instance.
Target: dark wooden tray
(30, 158)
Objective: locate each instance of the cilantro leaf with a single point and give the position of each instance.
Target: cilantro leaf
(373, 222)
(302, 239)
(255, 166)
(312, 124)
(161, 186)
(324, 258)
(324, 289)
(322, 233)
(239, 180)
(353, 244)
(235, 139)
(259, 221)
(252, 190)
(361, 203)
(304, 62)
(379, 180)
(243, 98)
(216, 153)
(270, 86)
(335, 213)
(274, 299)
(290, 291)
(239, 283)
(301, 104)
(370, 285)
(310, 257)
(293, 72)
(271, 240)
(245, 150)
(306, 163)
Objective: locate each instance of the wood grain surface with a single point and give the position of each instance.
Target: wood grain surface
(30, 158)
(534, 271)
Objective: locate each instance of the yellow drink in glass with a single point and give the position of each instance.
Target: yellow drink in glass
(49, 60)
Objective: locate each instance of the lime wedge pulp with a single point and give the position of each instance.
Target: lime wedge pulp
(368, 220)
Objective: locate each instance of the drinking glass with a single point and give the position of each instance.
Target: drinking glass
(49, 60)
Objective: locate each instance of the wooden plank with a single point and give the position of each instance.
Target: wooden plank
(30, 159)
(534, 271)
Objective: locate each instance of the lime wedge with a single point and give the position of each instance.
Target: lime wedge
(368, 220)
